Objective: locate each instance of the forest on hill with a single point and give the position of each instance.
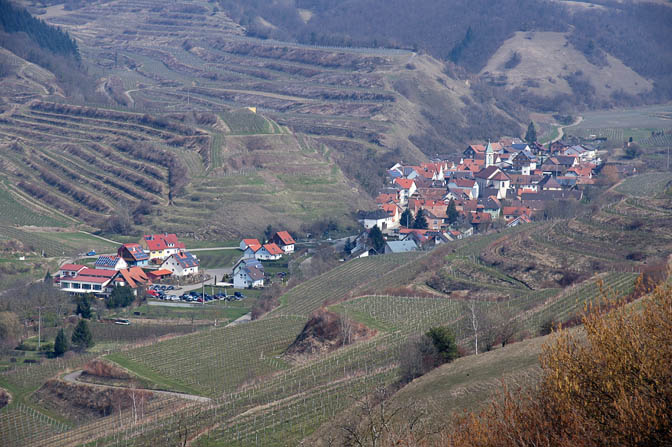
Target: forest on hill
(468, 33)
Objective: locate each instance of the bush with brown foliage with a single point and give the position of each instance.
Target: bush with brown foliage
(100, 368)
(612, 388)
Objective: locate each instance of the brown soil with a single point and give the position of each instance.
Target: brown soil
(5, 398)
(83, 403)
(325, 332)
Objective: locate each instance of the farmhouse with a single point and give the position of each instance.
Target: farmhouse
(269, 252)
(248, 277)
(133, 278)
(160, 246)
(181, 263)
(133, 254)
(284, 240)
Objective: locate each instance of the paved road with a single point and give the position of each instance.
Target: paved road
(242, 320)
(74, 376)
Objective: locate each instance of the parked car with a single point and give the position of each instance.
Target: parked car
(91, 253)
(122, 321)
(152, 292)
(238, 295)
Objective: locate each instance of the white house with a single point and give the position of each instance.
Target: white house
(181, 263)
(269, 252)
(284, 240)
(86, 280)
(248, 277)
(111, 263)
(370, 219)
(407, 188)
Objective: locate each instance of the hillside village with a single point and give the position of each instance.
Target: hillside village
(492, 185)
(504, 183)
(159, 257)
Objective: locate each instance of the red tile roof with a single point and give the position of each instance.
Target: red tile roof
(91, 279)
(254, 244)
(134, 277)
(285, 238)
(72, 267)
(273, 249)
(98, 272)
(404, 182)
(156, 242)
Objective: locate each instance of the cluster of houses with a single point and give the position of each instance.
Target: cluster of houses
(249, 271)
(507, 181)
(154, 257)
(158, 256)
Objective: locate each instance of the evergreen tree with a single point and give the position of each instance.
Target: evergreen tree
(420, 222)
(47, 278)
(268, 232)
(407, 218)
(376, 238)
(451, 212)
(444, 342)
(81, 337)
(84, 306)
(531, 134)
(120, 297)
(60, 344)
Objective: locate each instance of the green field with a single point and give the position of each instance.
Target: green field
(645, 185)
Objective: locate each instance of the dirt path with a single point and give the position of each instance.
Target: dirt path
(561, 129)
(74, 376)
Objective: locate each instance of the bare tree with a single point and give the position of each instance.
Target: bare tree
(377, 422)
(474, 323)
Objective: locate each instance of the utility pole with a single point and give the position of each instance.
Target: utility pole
(39, 328)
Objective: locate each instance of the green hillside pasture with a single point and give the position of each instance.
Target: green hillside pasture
(14, 212)
(468, 382)
(645, 185)
(220, 360)
(337, 283)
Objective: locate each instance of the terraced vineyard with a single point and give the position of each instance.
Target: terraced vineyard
(220, 360)
(339, 282)
(645, 185)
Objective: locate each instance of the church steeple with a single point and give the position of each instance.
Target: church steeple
(489, 155)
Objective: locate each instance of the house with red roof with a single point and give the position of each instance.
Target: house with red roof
(511, 212)
(269, 252)
(160, 246)
(87, 280)
(69, 270)
(254, 243)
(406, 187)
(284, 240)
(133, 277)
(181, 263)
(133, 254)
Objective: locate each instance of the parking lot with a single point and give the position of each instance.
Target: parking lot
(175, 294)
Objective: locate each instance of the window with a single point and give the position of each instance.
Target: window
(86, 286)
(96, 287)
(75, 285)
(65, 285)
